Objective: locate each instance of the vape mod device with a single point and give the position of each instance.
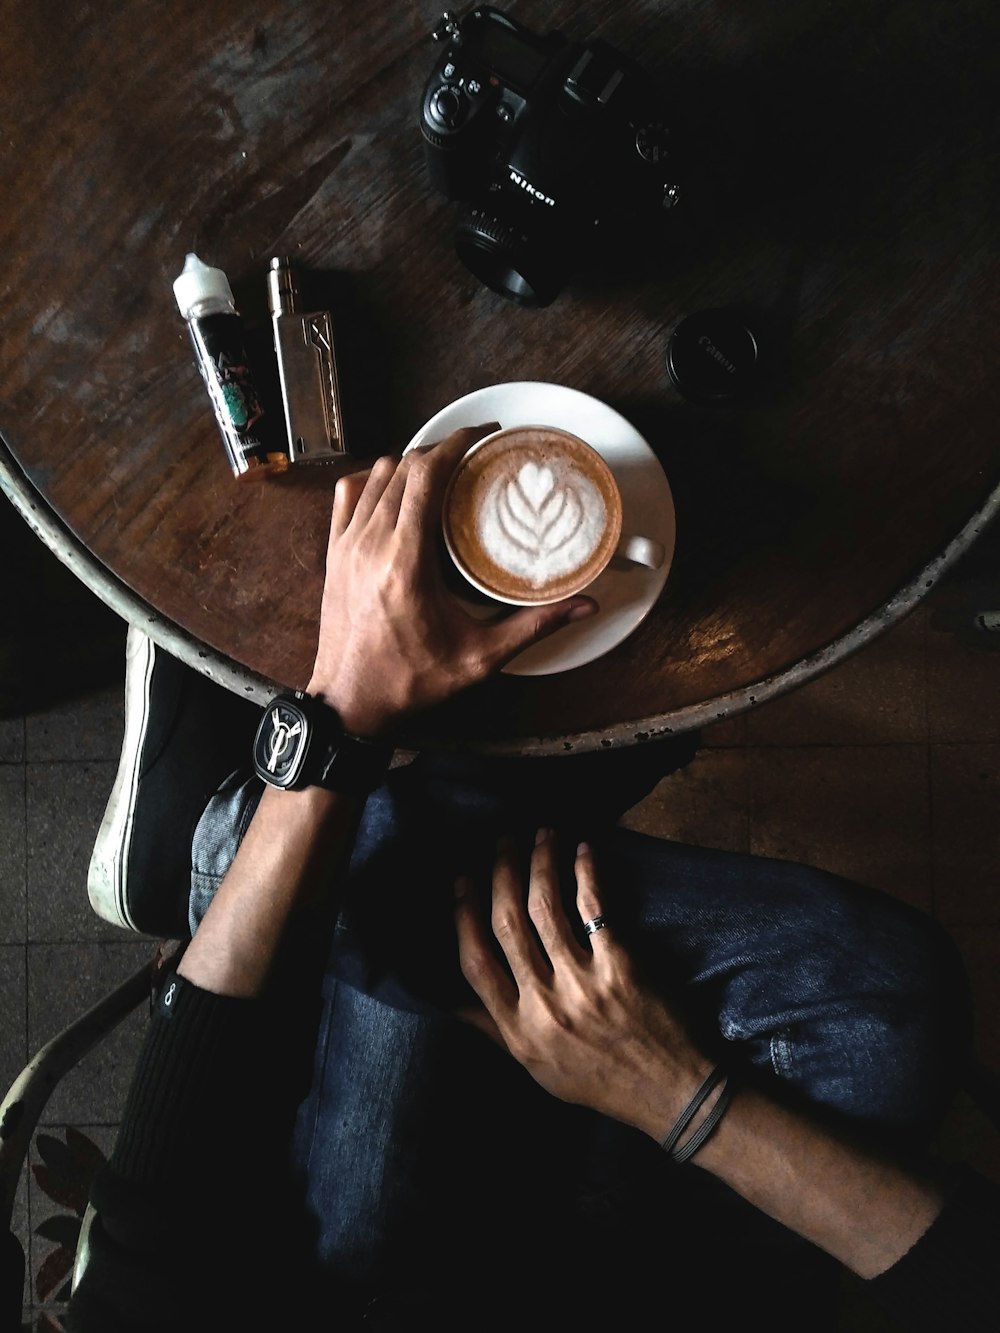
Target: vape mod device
(307, 368)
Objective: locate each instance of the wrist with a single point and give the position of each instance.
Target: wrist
(364, 718)
(669, 1090)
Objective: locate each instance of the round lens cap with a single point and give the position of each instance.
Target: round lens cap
(712, 357)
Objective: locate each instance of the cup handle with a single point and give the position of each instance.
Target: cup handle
(640, 551)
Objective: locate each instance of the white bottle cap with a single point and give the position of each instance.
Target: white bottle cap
(198, 283)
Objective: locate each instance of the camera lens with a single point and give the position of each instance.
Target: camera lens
(506, 260)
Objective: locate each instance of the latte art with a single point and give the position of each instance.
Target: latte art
(542, 523)
(532, 514)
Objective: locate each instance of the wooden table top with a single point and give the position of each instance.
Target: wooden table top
(849, 203)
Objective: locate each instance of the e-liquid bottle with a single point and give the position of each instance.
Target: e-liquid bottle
(255, 445)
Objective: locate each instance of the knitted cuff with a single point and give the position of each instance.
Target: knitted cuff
(189, 1089)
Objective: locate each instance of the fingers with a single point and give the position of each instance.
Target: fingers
(427, 480)
(379, 478)
(453, 446)
(346, 495)
(588, 902)
(479, 965)
(420, 477)
(510, 920)
(545, 904)
(588, 898)
(510, 636)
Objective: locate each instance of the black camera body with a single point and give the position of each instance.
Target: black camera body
(557, 148)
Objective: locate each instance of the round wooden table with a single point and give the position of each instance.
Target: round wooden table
(844, 192)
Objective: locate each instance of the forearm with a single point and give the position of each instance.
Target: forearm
(864, 1211)
(293, 853)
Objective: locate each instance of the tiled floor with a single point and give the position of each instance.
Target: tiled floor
(886, 770)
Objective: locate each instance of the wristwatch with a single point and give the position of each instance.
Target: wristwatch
(301, 743)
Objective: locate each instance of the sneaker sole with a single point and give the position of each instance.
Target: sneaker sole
(106, 880)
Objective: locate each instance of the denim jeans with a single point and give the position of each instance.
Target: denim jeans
(426, 1152)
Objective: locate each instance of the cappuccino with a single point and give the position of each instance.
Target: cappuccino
(532, 514)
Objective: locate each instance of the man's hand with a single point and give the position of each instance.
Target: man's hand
(575, 1015)
(392, 638)
(588, 1031)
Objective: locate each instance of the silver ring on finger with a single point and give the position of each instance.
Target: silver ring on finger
(595, 924)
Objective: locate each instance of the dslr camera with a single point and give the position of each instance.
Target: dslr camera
(557, 150)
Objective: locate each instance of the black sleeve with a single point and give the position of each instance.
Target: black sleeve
(187, 1233)
(951, 1277)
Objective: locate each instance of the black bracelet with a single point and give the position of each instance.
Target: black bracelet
(707, 1126)
(689, 1112)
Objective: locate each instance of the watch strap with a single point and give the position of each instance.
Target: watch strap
(348, 763)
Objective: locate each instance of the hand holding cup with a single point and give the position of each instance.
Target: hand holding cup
(392, 638)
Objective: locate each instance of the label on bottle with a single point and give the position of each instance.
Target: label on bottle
(250, 438)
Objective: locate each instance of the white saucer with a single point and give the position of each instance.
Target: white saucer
(626, 596)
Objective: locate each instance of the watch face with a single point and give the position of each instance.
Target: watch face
(281, 744)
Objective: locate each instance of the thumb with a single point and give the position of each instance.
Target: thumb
(533, 623)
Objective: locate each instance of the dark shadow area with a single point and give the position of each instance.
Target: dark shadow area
(732, 504)
(57, 640)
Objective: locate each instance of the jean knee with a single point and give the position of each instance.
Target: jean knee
(889, 1043)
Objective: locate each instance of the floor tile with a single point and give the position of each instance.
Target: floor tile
(706, 804)
(877, 695)
(860, 812)
(965, 833)
(96, 1142)
(65, 805)
(13, 855)
(14, 1056)
(11, 740)
(87, 728)
(13, 1031)
(64, 980)
(21, 1227)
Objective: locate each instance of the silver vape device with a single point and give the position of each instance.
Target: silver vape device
(307, 367)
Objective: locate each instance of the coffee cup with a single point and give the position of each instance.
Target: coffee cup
(533, 514)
